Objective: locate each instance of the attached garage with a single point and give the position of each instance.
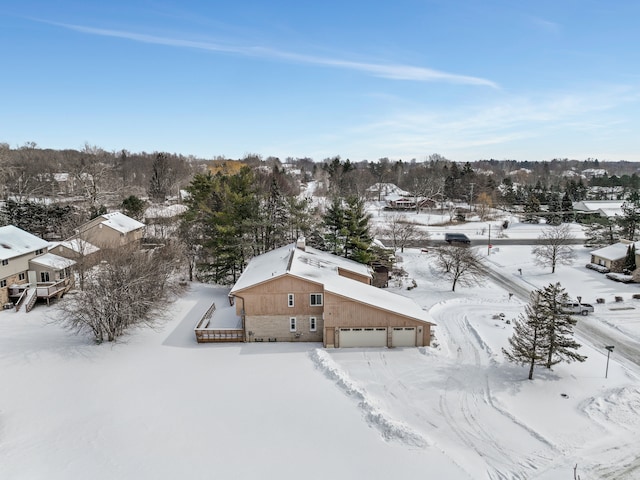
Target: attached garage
(403, 337)
(362, 337)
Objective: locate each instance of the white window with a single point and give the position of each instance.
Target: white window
(292, 324)
(290, 299)
(44, 276)
(3, 283)
(312, 324)
(5, 262)
(21, 276)
(315, 299)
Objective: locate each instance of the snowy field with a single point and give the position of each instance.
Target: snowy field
(158, 405)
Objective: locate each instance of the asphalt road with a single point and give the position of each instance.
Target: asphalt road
(589, 328)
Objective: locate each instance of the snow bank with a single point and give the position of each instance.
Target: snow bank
(389, 429)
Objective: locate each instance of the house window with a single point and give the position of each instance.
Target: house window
(316, 299)
(40, 251)
(290, 299)
(5, 262)
(292, 324)
(312, 324)
(44, 276)
(21, 276)
(3, 283)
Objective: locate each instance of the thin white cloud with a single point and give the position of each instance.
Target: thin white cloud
(391, 71)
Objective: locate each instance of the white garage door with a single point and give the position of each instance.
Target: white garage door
(403, 337)
(363, 337)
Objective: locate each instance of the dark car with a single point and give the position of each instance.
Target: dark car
(452, 238)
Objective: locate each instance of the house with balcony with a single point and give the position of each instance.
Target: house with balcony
(298, 293)
(28, 271)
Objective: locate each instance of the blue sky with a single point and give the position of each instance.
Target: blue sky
(468, 79)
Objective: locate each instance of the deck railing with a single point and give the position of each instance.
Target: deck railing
(204, 334)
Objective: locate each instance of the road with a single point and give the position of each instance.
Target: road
(591, 329)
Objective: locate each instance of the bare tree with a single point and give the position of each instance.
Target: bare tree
(402, 231)
(554, 247)
(460, 264)
(129, 289)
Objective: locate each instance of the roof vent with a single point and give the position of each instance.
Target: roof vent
(301, 244)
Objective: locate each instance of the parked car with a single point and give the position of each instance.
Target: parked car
(452, 238)
(575, 307)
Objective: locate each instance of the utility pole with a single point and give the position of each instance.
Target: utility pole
(489, 242)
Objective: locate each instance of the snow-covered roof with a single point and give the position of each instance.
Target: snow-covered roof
(61, 177)
(120, 222)
(15, 242)
(77, 245)
(387, 189)
(615, 251)
(165, 211)
(310, 263)
(50, 260)
(322, 267)
(376, 297)
(605, 208)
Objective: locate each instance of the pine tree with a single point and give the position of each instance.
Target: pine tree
(358, 238)
(630, 260)
(334, 221)
(559, 341)
(567, 208)
(527, 344)
(554, 217)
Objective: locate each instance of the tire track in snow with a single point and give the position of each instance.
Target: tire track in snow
(467, 406)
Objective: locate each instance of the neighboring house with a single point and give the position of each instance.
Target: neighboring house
(111, 230)
(613, 256)
(162, 220)
(601, 208)
(298, 293)
(76, 249)
(25, 264)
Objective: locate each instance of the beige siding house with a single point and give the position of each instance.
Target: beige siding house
(298, 293)
(613, 256)
(26, 267)
(111, 230)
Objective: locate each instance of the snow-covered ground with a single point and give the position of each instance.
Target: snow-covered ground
(158, 405)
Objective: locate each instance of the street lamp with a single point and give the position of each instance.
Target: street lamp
(609, 350)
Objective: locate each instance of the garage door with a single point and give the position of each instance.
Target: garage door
(403, 337)
(363, 337)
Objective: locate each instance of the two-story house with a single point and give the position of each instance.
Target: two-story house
(298, 293)
(111, 230)
(25, 263)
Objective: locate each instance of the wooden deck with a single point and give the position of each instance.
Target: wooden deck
(204, 334)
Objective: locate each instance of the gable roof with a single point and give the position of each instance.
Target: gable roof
(617, 251)
(376, 297)
(77, 245)
(15, 242)
(311, 264)
(322, 267)
(120, 222)
(52, 261)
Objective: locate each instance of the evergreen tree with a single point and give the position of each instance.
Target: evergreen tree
(358, 238)
(334, 222)
(559, 341)
(629, 221)
(133, 207)
(532, 209)
(630, 260)
(527, 344)
(566, 205)
(554, 217)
